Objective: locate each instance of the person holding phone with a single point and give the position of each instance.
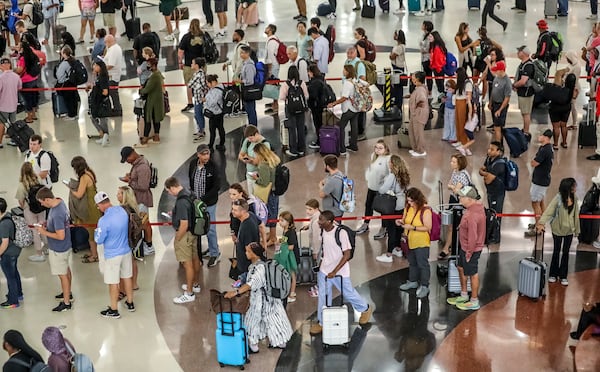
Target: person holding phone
(246, 154)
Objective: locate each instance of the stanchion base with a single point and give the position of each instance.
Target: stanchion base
(382, 116)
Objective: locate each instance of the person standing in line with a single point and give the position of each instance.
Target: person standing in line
(236, 60)
(87, 8)
(472, 241)
(544, 41)
(494, 174)
(147, 39)
(320, 49)
(205, 183)
(349, 112)
(154, 111)
(523, 87)
(107, 8)
(500, 98)
(299, 62)
(20, 354)
(97, 102)
(295, 120)
(266, 162)
(427, 28)
(247, 155)
(330, 188)
(333, 265)
(58, 233)
(166, 8)
(126, 199)
(213, 104)
(463, 106)
(199, 89)
(208, 15)
(248, 233)
(221, 10)
(28, 68)
(247, 80)
(419, 115)
(114, 63)
(316, 103)
(50, 12)
(488, 10)
(27, 17)
(271, 63)
(375, 175)
(573, 67)
(540, 179)
(563, 215)
(128, 5)
(28, 181)
(70, 97)
(190, 47)
(185, 243)
(60, 349)
(354, 59)
(113, 233)
(303, 40)
(9, 255)
(10, 84)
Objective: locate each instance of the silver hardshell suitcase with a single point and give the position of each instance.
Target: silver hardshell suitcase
(532, 274)
(550, 8)
(454, 277)
(335, 320)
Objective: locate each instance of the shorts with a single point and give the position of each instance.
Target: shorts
(60, 262)
(537, 192)
(499, 121)
(220, 6)
(11, 116)
(118, 267)
(469, 268)
(187, 74)
(525, 105)
(185, 249)
(88, 14)
(470, 134)
(167, 7)
(561, 116)
(109, 20)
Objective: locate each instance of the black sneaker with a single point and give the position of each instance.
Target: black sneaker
(314, 145)
(187, 108)
(110, 313)
(205, 253)
(59, 297)
(220, 147)
(214, 260)
(62, 307)
(130, 306)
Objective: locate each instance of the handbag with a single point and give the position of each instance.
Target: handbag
(234, 271)
(138, 106)
(251, 92)
(166, 102)
(180, 14)
(209, 114)
(384, 203)
(262, 192)
(271, 91)
(237, 304)
(103, 110)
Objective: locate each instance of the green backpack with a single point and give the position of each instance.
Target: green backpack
(201, 218)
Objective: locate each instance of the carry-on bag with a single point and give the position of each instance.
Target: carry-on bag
(58, 104)
(231, 339)
(403, 139)
(20, 133)
(414, 6)
(368, 9)
(550, 8)
(384, 5)
(517, 141)
(329, 139)
(324, 9)
(474, 4)
(305, 274)
(454, 277)
(586, 135)
(532, 273)
(335, 320)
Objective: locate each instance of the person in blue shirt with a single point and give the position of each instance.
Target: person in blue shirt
(113, 233)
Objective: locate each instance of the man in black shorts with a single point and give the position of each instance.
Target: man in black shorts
(472, 239)
(221, 10)
(500, 97)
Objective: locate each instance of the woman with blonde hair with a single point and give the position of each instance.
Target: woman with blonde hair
(85, 189)
(375, 173)
(143, 69)
(464, 43)
(29, 181)
(126, 198)
(266, 161)
(395, 183)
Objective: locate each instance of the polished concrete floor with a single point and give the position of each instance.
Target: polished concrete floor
(508, 333)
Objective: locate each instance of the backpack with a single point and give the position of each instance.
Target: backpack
(260, 209)
(153, 176)
(281, 55)
(282, 179)
(351, 237)
(511, 175)
(370, 51)
(295, 102)
(36, 68)
(134, 227)
(327, 95)
(370, 72)
(540, 75)
(260, 78)
(34, 205)
(77, 74)
(492, 227)
(23, 234)
(556, 46)
(211, 53)
(201, 218)
(279, 280)
(231, 101)
(347, 203)
(330, 36)
(590, 200)
(37, 16)
(54, 164)
(451, 65)
(361, 99)
(79, 362)
(436, 224)
(33, 366)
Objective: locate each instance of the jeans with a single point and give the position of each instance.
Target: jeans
(496, 202)
(50, 26)
(124, 13)
(449, 124)
(564, 243)
(114, 96)
(394, 232)
(200, 123)
(151, 123)
(594, 7)
(362, 120)
(213, 243)
(351, 295)
(13, 278)
(273, 208)
(352, 118)
(250, 107)
(418, 265)
(207, 12)
(563, 6)
(427, 70)
(71, 101)
(215, 124)
(295, 126)
(101, 124)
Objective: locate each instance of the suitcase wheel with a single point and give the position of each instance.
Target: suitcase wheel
(242, 368)
(520, 294)
(580, 147)
(325, 346)
(221, 365)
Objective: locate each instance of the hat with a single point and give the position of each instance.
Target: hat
(596, 179)
(542, 24)
(548, 133)
(499, 66)
(202, 148)
(469, 192)
(53, 340)
(524, 49)
(125, 152)
(4, 60)
(100, 197)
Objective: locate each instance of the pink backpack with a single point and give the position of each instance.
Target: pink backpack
(436, 224)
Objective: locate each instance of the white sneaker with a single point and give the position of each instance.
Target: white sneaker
(428, 12)
(419, 155)
(552, 279)
(238, 25)
(385, 258)
(37, 258)
(592, 16)
(184, 298)
(596, 244)
(468, 152)
(104, 141)
(176, 31)
(331, 16)
(399, 11)
(164, 29)
(170, 37)
(419, 14)
(412, 152)
(196, 288)
(397, 253)
(148, 250)
(244, 26)
(564, 282)
(456, 144)
(461, 150)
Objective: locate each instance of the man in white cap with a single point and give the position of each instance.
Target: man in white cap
(113, 233)
(472, 240)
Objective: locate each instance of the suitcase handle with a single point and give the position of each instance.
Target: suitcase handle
(341, 290)
(224, 332)
(535, 244)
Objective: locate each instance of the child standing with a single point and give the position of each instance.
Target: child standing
(449, 119)
(213, 110)
(199, 88)
(314, 236)
(288, 255)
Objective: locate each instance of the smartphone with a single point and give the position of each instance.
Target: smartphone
(166, 215)
(251, 174)
(66, 182)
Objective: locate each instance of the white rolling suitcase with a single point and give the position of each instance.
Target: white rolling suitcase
(284, 134)
(335, 321)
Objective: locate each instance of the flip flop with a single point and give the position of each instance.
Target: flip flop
(89, 259)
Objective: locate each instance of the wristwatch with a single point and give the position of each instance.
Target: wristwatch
(414, 228)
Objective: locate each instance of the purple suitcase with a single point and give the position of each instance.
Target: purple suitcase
(329, 140)
(384, 5)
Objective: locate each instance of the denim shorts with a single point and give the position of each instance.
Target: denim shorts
(537, 192)
(89, 14)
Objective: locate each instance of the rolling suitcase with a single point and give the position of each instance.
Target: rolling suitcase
(414, 6)
(403, 139)
(454, 278)
(20, 133)
(231, 339)
(550, 8)
(324, 9)
(368, 9)
(59, 30)
(329, 137)
(284, 134)
(132, 26)
(58, 105)
(335, 320)
(586, 135)
(384, 5)
(474, 4)
(516, 140)
(521, 4)
(305, 274)
(532, 274)
(590, 228)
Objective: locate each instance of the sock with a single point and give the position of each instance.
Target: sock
(475, 300)
(464, 294)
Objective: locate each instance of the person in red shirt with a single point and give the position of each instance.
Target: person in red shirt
(437, 50)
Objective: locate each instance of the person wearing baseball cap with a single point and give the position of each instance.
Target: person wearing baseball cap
(472, 240)
(112, 231)
(544, 43)
(523, 85)
(540, 178)
(500, 97)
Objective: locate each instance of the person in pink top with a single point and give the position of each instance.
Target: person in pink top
(88, 15)
(10, 83)
(472, 240)
(28, 67)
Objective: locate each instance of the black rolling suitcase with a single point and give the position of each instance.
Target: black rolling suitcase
(20, 133)
(586, 135)
(384, 5)
(132, 26)
(305, 274)
(474, 4)
(368, 9)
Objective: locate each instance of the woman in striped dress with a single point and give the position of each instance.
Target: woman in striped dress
(266, 316)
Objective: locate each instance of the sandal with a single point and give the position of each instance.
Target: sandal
(563, 145)
(555, 147)
(90, 259)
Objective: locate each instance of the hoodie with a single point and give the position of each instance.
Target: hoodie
(214, 99)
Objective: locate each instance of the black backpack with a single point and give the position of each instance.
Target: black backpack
(351, 238)
(78, 74)
(211, 53)
(296, 102)
(34, 205)
(327, 95)
(282, 179)
(37, 17)
(54, 164)
(492, 227)
(590, 200)
(36, 68)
